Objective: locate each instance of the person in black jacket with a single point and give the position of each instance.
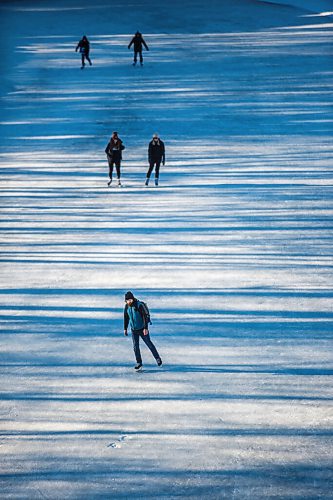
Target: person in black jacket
(113, 152)
(156, 155)
(137, 41)
(84, 47)
(135, 316)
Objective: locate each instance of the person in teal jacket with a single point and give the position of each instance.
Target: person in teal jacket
(135, 316)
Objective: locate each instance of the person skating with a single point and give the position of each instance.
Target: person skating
(156, 156)
(137, 42)
(136, 317)
(113, 152)
(84, 47)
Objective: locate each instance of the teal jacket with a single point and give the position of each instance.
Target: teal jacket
(135, 316)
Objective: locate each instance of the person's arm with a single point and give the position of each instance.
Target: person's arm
(144, 43)
(78, 45)
(163, 152)
(149, 152)
(144, 317)
(126, 320)
(130, 44)
(107, 149)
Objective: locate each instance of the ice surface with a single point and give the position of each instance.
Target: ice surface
(232, 252)
(316, 6)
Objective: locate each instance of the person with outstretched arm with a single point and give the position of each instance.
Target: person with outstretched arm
(137, 42)
(84, 46)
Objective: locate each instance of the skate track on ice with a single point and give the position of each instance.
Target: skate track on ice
(233, 252)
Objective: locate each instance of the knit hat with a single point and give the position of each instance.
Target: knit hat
(129, 295)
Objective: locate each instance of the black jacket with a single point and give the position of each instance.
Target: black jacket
(114, 149)
(83, 45)
(156, 152)
(138, 41)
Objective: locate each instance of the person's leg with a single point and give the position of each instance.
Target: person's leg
(150, 345)
(118, 171)
(110, 170)
(82, 60)
(88, 59)
(157, 172)
(141, 58)
(157, 169)
(136, 347)
(135, 57)
(150, 169)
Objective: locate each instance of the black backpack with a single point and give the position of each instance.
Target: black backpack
(146, 310)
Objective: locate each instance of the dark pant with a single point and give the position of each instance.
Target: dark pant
(85, 56)
(111, 164)
(146, 338)
(151, 168)
(136, 52)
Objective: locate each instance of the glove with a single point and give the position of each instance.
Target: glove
(125, 333)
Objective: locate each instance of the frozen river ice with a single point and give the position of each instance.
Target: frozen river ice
(232, 252)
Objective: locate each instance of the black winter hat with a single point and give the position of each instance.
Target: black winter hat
(129, 295)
